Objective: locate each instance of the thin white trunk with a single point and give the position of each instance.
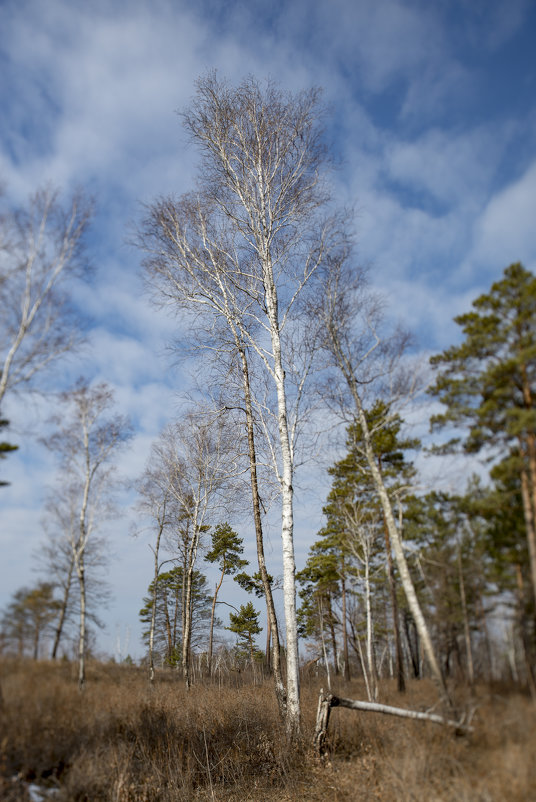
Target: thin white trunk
(364, 669)
(156, 551)
(287, 515)
(370, 651)
(322, 638)
(63, 609)
(396, 542)
(263, 233)
(80, 570)
(79, 558)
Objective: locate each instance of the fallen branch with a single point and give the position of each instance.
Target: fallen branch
(327, 701)
(373, 707)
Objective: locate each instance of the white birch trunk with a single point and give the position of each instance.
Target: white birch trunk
(370, 651)
(80, 570)
(287, 514)
(396, 542)
(156, 552)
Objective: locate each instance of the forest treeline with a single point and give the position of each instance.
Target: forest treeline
(292, 347)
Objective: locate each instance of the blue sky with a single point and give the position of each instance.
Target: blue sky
(433, 116)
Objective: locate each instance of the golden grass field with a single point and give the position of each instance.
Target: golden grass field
(124, 741)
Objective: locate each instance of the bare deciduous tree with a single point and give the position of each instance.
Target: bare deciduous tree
(244, 248)
(195, 458)
(41, 248)
(56, 557)
(86, 442)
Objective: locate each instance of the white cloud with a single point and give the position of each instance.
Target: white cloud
(451, 167)
(506, 230)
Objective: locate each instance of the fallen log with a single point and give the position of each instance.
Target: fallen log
(327, 701)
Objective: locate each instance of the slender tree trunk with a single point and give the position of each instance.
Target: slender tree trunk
(287, 506)
(169, 634)
(156, 552)
(323, 640)
(487, 640)
(466, 630)
(364, 669)
(80, 569)
(187, 632)
(345, 629)
(268, 641)
(333, 638)
(79, 552)
(273, 628)
(405, 576)
(211, 631)
(36, 643)
(529, 506)
(187, 600)
(400, 678)
(523, 637)
(63, 611)
(412, 637)
(370, 648)
(527, 447)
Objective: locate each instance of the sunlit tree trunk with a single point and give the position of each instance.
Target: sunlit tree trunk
(273, 629)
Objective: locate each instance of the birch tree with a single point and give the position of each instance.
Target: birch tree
(367, 363)
(156, 502)
(55, 558)
(198, 463)
(41, 250)
(243, 248)
(86, 442)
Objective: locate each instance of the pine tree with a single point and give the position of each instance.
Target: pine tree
(319, 595)
(454, 569)
(245, 624)
(226, 550)
(168, 623)
(29, 616)
(489, 383)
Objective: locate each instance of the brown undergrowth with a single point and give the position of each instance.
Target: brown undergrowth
(124, 741)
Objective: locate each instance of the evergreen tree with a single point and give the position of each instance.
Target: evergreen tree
(454, 571)
(28, 617)
(168, 624)
(317, 614)
(489, 383)
(245, 624)
(500, 505)
(226, 550)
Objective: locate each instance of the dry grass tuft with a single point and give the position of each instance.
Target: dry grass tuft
(124, 741)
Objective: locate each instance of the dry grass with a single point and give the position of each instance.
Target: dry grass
(121, 740)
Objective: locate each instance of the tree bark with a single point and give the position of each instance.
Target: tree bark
(400, 677)
(466, 630)
(259, 539)
(345, 629)
(80, 569)
(63, 611)
(155, 596)
(211, 630)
